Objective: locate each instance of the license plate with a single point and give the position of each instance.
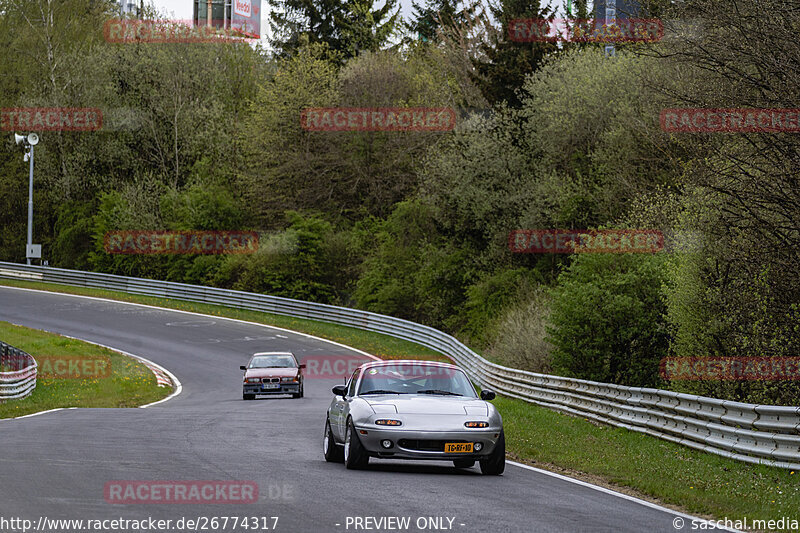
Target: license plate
(272, 385)
(458, 447)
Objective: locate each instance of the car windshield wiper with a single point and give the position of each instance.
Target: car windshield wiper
(436, 391)
(381, 391)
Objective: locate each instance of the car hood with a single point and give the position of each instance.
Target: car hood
(270, 372)
(427, 404)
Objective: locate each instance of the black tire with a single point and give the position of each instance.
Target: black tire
(495, 464)
(299, 394)
(333, 452)
(464, 463)
(248, 396)
(355, 456)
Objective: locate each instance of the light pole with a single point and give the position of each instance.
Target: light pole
(611, 18)
(29, 141)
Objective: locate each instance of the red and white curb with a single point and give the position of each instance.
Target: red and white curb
(161, 376)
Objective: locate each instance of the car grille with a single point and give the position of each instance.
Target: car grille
(271, 380)
(424, 445)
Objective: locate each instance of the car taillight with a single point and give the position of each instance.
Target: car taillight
(387, 422)
(476, 424)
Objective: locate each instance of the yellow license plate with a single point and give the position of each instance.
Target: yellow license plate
(457, 447)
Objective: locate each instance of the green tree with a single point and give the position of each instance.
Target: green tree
(351, 172)
(365, 29)
(739, 295)
(504, 64)
(435, 19)
(295, 22)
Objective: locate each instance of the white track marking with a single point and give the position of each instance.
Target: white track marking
(34, 414)
(618, 495)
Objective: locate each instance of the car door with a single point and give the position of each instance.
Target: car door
(341, 407)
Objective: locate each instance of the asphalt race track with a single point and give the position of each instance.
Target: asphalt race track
(56, 465)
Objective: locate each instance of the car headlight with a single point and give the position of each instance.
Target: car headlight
(289, 380)
(476, 424)
(388, 422)
(252, 380)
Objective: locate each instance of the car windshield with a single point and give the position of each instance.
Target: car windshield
(273, 361)
(409, 378)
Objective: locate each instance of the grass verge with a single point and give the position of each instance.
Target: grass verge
(130, 383)
(697, 482)
(636, 464)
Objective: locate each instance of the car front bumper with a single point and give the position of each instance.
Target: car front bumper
(410, 444)
(285, 388)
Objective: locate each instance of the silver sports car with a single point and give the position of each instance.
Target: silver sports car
(413, 410)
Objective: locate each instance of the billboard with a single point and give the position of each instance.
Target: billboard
(246, 17)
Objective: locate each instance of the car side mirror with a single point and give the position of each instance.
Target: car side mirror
(488, 395)
(340, 390)
(242, 367)
(303, 365)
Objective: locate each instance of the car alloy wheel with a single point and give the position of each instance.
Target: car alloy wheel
(332, 451)
(355, 456)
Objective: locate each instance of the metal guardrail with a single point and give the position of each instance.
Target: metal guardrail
(17, 373)
(746, 432)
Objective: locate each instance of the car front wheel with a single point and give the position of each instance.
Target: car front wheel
(496, 462)
(333, 452)
(248, 396)
(355, 456)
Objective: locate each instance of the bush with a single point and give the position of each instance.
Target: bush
(294, 263)
(608, 319)
(521, 341)
(487, 299)
(412, 272)
(72, 239)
